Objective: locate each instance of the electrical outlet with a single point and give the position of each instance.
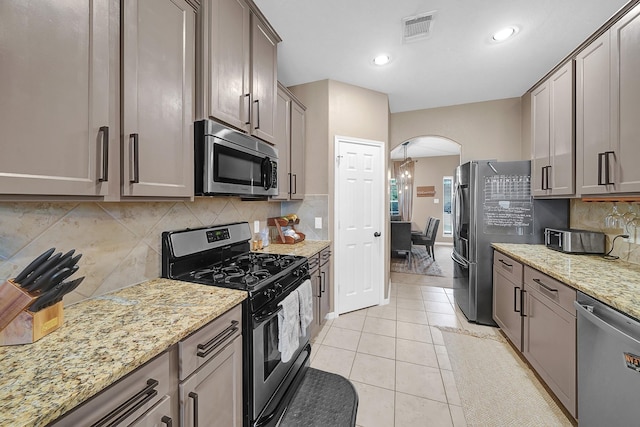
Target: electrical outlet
(318, 222)
(436, 201)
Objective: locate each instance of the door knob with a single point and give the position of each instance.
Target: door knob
(376, 234)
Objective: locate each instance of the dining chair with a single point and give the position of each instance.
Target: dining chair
(401, 238)
(427, 239)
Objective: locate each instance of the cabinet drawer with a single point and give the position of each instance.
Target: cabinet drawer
(325, 255)
(314, 263)
(141, 390)
(202, 345)
(550, 289)
(509, 268)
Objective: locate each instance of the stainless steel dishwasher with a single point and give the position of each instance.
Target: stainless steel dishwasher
(608, 365)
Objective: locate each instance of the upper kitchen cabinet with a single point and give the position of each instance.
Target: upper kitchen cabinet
(238, 67)
(55, 127)
(608, 106)
(290, 142)
(552, 125)
(158, 69)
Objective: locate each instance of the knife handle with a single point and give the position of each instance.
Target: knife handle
(134, 160)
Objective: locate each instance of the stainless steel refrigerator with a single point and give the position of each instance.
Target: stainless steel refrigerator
(492, 202)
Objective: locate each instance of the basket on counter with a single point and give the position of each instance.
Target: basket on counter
(276, 234)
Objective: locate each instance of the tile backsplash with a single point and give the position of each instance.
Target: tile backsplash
(120, 242)
(591, 216)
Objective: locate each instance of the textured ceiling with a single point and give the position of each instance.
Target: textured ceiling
(457, 64)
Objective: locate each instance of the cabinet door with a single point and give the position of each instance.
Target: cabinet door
(507, 307)
(297, 151)
(316, 287)
(282, 143)
(325, 291)
(264, 84)
(561, 150)
(212, 396)
(550, 346)
(226, 75)
(540, 139)
(158, 67)
(593, 112)
(625, 41)
(54, 63)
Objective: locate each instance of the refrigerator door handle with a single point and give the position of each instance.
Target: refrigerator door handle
(459, 260)
(459, 209)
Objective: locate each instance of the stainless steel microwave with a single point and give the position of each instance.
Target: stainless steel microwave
(229, 162)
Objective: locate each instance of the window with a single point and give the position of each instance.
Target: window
(447, 227)
(393, 197)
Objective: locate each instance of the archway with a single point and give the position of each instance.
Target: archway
(431, 161)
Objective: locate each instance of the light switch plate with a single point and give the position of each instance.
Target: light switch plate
(318, 222)
(436, 201)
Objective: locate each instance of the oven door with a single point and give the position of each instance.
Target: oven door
(268, 369)
(233, 169)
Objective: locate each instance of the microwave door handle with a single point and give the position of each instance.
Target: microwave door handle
(266, 173)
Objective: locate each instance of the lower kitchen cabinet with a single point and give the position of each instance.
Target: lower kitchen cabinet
(507, 297)
(536, 314)
(211, 373)
(212, 396)
(142, 398)
(320, 272)
(549, 340)
(198, 381)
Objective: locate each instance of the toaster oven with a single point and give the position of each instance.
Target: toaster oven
(574, 241)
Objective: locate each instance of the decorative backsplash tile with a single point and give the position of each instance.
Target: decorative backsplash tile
(591, 216)
(120, 242)
(313, 206)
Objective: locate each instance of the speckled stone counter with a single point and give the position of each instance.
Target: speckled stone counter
(616, 283)
(102, 340)
(307, 248)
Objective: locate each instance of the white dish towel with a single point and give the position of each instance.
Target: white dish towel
(306, 306)
(289, 326)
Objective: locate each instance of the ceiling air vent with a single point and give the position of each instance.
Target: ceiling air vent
(417, 27)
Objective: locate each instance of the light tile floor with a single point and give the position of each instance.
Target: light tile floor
(396, 356)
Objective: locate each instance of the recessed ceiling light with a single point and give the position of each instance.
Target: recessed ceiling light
(381, 59)
(504, 34)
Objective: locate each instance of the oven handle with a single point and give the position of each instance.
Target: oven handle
(258, 320)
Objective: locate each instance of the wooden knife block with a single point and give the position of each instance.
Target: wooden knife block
(13, 300)
(20, 326)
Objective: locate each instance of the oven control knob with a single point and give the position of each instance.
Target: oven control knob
(278, 287)
(270, 293)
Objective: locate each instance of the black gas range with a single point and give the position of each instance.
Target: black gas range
(220, 256)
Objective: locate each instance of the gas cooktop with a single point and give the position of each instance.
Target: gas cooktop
(245, 272)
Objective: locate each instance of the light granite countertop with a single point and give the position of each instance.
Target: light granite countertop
(615, 282)
(306, 248)
(102, 340)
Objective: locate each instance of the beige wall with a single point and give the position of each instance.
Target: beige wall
(489, 129)
(119, 242)
(335, 108)
(430, 171)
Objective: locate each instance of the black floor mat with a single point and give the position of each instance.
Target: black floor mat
(323, 399)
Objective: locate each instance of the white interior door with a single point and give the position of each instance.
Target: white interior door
(359, 213)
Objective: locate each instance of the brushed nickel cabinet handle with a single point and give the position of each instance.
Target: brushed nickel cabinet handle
(134, 162)
(194, 396)
(257, 102)
(105, 154)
